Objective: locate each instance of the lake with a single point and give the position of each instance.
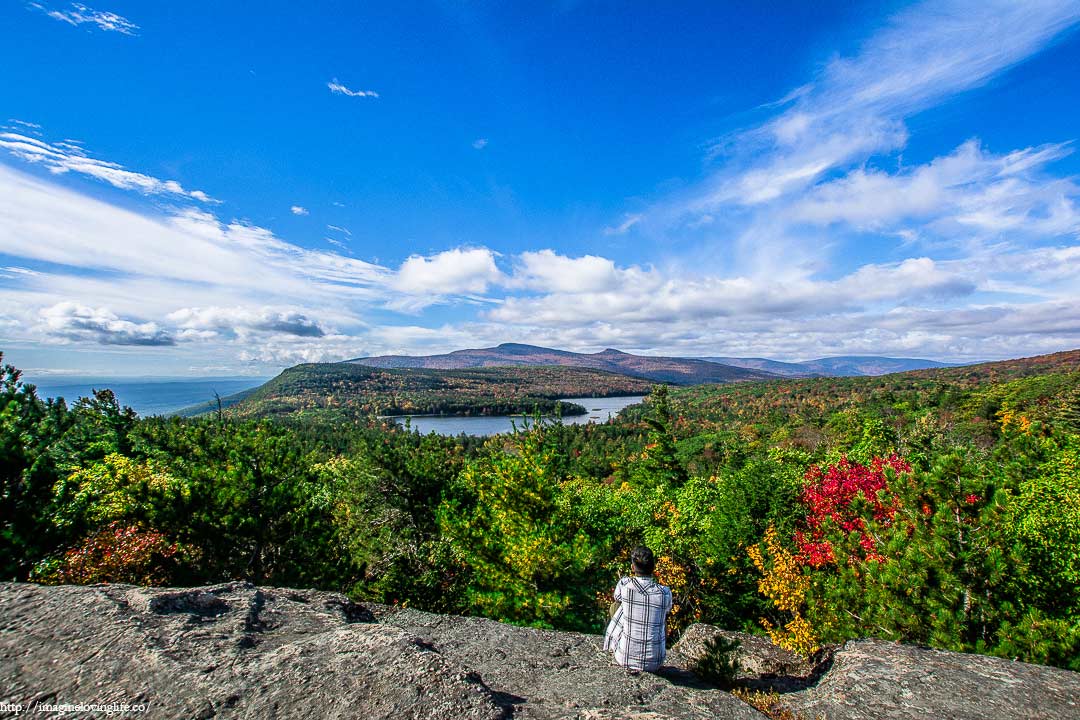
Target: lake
(600, 410)
(146, 396)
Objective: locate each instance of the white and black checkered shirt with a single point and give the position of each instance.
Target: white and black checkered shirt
(636, 632)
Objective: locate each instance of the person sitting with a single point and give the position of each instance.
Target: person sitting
(637, 634)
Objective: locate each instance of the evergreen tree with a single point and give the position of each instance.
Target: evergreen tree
(658, 464)
(29, 428)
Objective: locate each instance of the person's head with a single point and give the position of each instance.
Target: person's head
(642, 561)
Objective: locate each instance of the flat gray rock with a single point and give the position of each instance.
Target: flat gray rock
(228, 651)
(545, 674)
(875, 679)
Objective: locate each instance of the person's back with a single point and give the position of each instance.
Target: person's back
(637, 632)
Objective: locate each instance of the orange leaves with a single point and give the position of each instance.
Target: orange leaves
(116, 553)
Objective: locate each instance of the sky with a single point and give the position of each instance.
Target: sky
(208, 188)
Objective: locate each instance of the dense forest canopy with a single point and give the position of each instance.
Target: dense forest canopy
(939, 506)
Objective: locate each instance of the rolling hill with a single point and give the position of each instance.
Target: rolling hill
(352, 390)
(674, 370)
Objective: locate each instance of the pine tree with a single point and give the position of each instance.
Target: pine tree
(659, 465)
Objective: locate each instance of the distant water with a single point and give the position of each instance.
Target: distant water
(599, 410)
(147, 396)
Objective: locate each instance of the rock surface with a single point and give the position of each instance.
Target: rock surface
(237, 651)
(545, 674)
(871, 679)
(230, 651)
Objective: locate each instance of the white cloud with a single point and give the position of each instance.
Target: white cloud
(80, 14)
(650, 297)
(339, 89)
(549, 272)
(181, 259)
(71, 321)
(22, 126)
(338, 228)
(480, 143)
(241, 321)
(65, 157)
(297, 210)
(337, 244)
(457, 271)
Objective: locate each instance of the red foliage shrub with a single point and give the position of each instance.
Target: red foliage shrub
(829, 494)
(115, 553)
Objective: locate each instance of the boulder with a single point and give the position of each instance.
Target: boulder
(761, 664)
(874, 679)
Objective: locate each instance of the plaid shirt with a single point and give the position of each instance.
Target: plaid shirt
(636, 632)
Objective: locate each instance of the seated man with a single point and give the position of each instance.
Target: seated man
(636, 633)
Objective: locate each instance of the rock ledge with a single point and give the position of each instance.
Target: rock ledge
(240, 651)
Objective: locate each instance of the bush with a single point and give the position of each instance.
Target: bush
(720, 663)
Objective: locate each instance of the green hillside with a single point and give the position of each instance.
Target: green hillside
(344, 389)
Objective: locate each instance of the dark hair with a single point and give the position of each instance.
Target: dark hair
(642, 560)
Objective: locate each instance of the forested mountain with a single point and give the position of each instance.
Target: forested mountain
(674, 370)
(350, 390)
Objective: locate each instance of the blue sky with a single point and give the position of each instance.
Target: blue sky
(208, 189)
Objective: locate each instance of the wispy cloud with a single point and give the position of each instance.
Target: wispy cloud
(339, 89)
(480, 143)
(624, 227)
(22, 126)
(80, 14)
(969, 190)
(338, 244)
(338, 228)
(856, 106)
(64, 157)
(298, 210)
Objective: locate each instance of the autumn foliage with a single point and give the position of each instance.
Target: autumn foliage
(114, 554)
(842, 496)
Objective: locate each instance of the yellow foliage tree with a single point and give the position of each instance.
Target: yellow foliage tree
(783, 582)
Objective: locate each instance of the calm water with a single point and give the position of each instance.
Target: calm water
(146, 397)
(600, 410)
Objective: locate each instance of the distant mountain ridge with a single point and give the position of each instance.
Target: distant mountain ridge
(837, 366)
(674, 370)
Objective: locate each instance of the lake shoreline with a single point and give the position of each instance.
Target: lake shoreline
(597, 410)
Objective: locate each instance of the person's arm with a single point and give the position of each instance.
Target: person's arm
(620, 589)
(614, 631)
